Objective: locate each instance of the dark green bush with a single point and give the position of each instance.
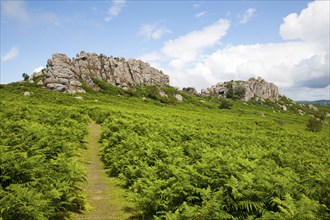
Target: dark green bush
(314, 124)
(108, 88)
(235, 93)
(225, 104)
(25, 76)
(240, 92)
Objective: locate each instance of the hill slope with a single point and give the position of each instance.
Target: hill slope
(185, 160)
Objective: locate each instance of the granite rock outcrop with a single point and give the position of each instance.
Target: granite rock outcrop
(253, 88)
(68, 75)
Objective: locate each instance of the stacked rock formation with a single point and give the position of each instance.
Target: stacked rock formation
(67, 75)
(190, 90)
(254, 88)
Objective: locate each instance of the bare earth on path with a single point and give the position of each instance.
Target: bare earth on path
(105, 195)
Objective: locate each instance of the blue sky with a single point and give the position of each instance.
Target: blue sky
(197, 43)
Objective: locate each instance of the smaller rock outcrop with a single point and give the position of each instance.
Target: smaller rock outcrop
(312, 107)
(190, 90)
(246, 90)
(178, 97)
(163, 94)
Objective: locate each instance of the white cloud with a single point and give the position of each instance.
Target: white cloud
(11, 54)
(197, 5)
(309, 94)
(115, 9)
(200, 14)
(300, 68)
(285, 64)
(248, 14)
(153, 31)
(180, 53)
(15, 10)
(312, 24)
(18, 11)
(191, 44)
(48, 18)
(38, 69)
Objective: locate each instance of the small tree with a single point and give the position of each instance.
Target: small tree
(225, 104)
(230, 93)
(25, 76)
(235, 93)
(240, 91)
(314, 124)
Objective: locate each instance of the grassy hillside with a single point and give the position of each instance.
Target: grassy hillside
(179, 160)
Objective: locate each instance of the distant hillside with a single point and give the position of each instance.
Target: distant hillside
(323, 102)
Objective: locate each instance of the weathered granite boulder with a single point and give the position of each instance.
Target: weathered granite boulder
(312, 107)
(253, 88)
(66, 75)
(178, 97)
(190, 90)
(163, 94)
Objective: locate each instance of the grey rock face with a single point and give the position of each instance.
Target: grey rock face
(284, 108)
(178, 97)
(254, 88)
(65, 75)
(190, 90)
(162, 94)
(312, 107)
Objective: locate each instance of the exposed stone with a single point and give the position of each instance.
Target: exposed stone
(35, 75)
(301, 112)
(190, 90)
(254, 88)
(206, 92)
(262, 114)
(162, 94)
(312, 107)
(65, 75)
(178, 97)
(124, 85)
(27, 93)
(284, 108)
(75, 83)
(79, 98)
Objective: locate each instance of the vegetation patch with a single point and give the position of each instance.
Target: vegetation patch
(186, 160)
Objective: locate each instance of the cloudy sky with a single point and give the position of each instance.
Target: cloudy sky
(197, 43)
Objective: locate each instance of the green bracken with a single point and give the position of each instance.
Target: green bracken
(178, 160)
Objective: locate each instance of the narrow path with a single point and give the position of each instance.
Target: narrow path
(105, 195)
